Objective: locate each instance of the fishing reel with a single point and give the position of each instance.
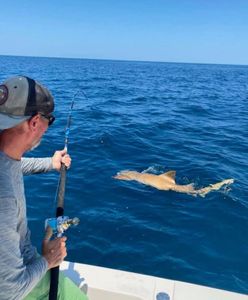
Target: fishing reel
(61, 224)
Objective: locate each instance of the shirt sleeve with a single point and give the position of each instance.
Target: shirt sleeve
(29, 251)
(17, 278)
(36, 165)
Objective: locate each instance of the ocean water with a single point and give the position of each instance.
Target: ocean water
(192, 118)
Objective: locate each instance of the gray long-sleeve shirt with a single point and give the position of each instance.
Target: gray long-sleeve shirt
(20, 267)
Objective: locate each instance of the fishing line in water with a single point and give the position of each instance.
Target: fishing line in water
(68, 125)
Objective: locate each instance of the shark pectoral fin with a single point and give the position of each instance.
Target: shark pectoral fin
(170, 174)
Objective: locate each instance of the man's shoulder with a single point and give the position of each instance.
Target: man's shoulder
(7, 171)
(6, 165)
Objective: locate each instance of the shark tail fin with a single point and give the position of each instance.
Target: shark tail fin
(214, 187)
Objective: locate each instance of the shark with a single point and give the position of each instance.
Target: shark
(167, 182)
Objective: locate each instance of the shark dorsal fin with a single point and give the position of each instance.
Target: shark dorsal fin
(170, 174)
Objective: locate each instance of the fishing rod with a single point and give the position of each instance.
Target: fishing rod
(61, 222)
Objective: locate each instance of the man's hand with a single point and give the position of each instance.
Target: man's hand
(54, 251)
(60, 157)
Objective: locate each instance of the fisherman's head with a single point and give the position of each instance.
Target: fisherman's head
(26, 108)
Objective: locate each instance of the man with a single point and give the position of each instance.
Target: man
(25, 113)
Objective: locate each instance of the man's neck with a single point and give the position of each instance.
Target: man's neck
(11, 145)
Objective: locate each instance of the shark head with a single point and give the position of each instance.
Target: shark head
(126, 175)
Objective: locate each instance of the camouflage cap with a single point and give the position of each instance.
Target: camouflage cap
(20, 98)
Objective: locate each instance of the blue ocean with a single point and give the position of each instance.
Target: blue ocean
(153, 117)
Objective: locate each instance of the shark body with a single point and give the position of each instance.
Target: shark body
(166, 182)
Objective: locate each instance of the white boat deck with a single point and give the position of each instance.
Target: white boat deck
(110, 284)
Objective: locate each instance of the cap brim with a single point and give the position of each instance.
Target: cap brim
(7, 121)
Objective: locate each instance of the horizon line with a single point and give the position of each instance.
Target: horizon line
(128, 60)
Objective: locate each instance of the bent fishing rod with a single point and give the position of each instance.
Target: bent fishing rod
(60, 223)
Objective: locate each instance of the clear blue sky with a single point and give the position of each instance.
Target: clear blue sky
(174, 31)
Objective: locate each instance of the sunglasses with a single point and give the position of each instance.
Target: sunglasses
(50, 118)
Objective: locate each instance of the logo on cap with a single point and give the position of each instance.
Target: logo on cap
(3, 94)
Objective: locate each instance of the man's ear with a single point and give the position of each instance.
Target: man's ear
(33, 122)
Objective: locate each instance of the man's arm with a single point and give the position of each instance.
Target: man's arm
(17, 279)
(43, 165)
(36, 165)
(29, 251)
